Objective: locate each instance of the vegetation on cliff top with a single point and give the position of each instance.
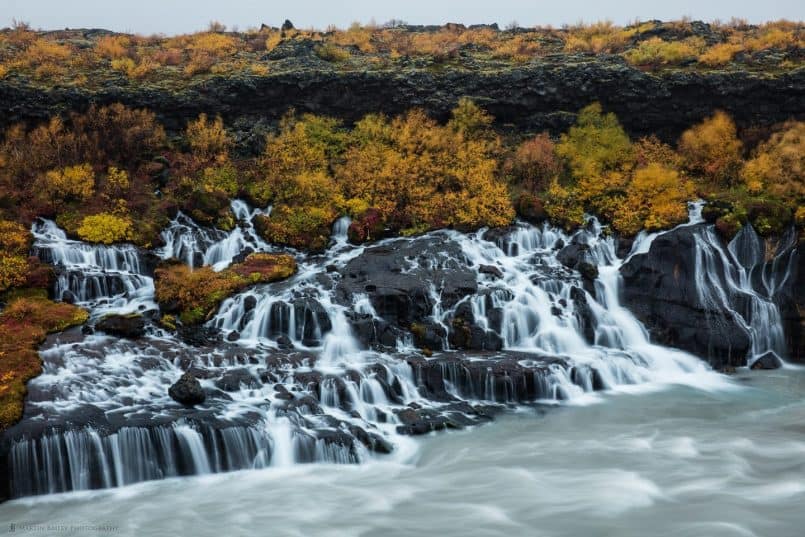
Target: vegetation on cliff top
(95, 57)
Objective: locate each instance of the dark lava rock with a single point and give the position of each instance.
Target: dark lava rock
(187, 391)
(660, 289)
(233, 379)
(397, 278)
(491, 270)
(768, 360)
(127, 326)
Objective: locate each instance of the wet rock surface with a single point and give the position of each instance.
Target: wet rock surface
(187, 391)
(678, 289)
(128, 326)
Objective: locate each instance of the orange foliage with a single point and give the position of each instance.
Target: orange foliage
(712, 149)
(778, 164)
(113, 47)
(535, 163)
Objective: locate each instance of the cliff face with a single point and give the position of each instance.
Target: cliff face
(532, 98)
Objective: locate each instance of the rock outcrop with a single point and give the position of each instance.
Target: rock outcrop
(539, 96)
(680, 303)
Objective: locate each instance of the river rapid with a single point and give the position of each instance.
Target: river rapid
(675, 461)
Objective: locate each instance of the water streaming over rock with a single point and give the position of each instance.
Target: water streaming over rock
(334, 364)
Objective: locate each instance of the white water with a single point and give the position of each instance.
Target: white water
(681, 462)
(537, 303)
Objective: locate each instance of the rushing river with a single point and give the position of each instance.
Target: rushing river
(676, 461)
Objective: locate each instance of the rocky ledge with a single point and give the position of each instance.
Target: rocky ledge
(542, 95)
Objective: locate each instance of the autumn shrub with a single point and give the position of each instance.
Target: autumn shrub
(168, 56)
(222, 177)
(656, 198)
(356, 36)
(332, 53)
(656, 51)
(650, 149)
(595, 145)
(15, 241)
(117, 182)
(777, 166)
(719, 54)
(3, 71)
(208, 139)
(112, 47)
(13, 271)
(73, 183)
(598, 37)
(712, 149)
(43, 52)
(118, 134)
(534, 163)
(305, 227)
(439, 46)
(24, 323)
(212, 43)
(106, 228)
(518, 48)
(14, 238)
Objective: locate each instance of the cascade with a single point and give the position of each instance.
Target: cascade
(324, 368)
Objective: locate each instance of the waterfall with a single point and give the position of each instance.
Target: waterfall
(733, 280)
(309, 370)
(196, 245)
(102, 278)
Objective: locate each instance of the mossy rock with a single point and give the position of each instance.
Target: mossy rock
(194, 295)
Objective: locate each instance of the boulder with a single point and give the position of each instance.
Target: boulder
(767, 360)
(127, 326)
(187, 390)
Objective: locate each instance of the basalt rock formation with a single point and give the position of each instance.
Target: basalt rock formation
(535, 97)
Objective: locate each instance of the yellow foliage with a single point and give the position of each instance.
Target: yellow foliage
(14, 238)
(656, 198)
(214, 44)
(655, 51)
(112, 47)
(273, 41)
(332, 53)
(799, 216)
(117, 181)
(720, 54)
(106, 228)
(43, 51)
(222, 178)
(598, 37)
(13, 271)
(356, 36)
(712, 148)
(208, 139)
(3, 70)
(72, 182)
(518, 48)
(778, 165)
